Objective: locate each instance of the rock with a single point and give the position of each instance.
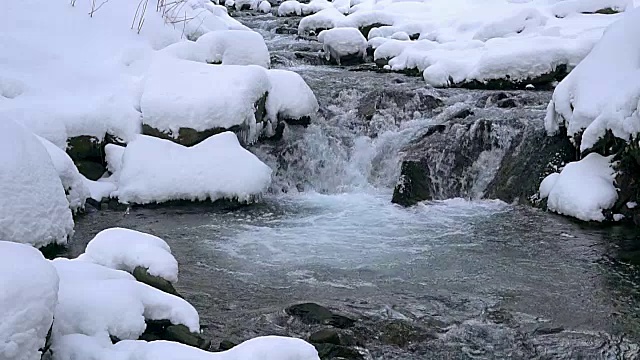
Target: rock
(142, 274)
(332, 351)
(408, 100)
(548, 330)
(326, 336)
(402, 334)
(226, 345)
(85, 148)
(181, 334)
(542, 82)
(366, 29)
(414, 184)
(311, 313)
(90, 169)
(507, 103)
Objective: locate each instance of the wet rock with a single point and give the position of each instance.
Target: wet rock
(414, 185)
(542, 82)
(408, 100)
(165, 330)
(326, 336)
(85, 147)
(226, 345)
(286, 31)
(507, 103)
(311, 58)
(402, 334)
(142, 275)
(332, 351)
(367, 28)
(90, 169)
(311, 313)
(548, 330)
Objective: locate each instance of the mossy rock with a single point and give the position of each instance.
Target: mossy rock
(142, 275)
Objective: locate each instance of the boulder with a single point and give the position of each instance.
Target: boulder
(311, 313)
(326, 336)
(142, 274)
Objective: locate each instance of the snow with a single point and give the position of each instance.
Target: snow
(465, 40)
(186, 94)
(29, 294)
(101, 189)
(290, 8)
(289, 97)
(235, 47)
(583, 189)
(33, 205)
(603, 92)
(95, 300)
(157, 170)
(124, 249)
(75, 185)
(340, 42)
(264, 7)
(261, 348)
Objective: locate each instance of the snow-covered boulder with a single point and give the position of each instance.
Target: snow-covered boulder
(75, 185)
(583, 189)
(322, 20)
(603, 92)
(186, 101)
(27, 301)
(261, 348)
(290, 98)
(33, 205)
(235, 47)
(290, 8)
(246, 4)
(157, 170)
(124, 249)
(343, 45)
(264, 7)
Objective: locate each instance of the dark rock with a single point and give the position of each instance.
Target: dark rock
(142, 274)
(85, 148)
(326, 336)
(391, 98)
(181, 334)
(286, 31)
(367, 28)
(548, 331)
(507, 103)
(311, 313)
(345, 60)
(414, 185)
(311, 58)
(149, 337)
(542, 82)
(90, 169)
(52, 250)
(402, 334)
(226, 345)
(332, 351)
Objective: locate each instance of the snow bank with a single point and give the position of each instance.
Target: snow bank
(582, 189)
(94, 300)
(261, 348)
(156, 170)
(289, 97)
(341, 42)
(27, 300)
(185, 94)
(603, 92)
(124, 249)
(235, 47)
(75, 185)
(33, 205)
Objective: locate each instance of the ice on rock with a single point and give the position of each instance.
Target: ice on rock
(603, 92)
(262, 348)
(583, 189)
(185, 94)
(157, 170)
(28, 296)
(75, 185)
(235, 47)
(124, 249)
(342, 42)
(33, 206)
(289, 97)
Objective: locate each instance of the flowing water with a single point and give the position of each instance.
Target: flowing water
(452, 279)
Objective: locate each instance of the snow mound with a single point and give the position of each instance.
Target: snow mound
(235, 47)
(582, 189)
(603, 92)
(290, 8)
(124, 249)
(157, 170)
(29, 294)
(95, 300)
(185, 94)
(264, 7)
(33, 205)
(289, 97)
(75, 185)
(340, 42)
(262, 348)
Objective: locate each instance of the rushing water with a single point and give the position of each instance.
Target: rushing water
(466, 279)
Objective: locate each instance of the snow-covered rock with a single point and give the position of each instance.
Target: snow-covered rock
(157, 170)
(75, 185)
(290, 98)
(264, 7)
(261, 348)
(182, 99)
(235, 47)
(583, 189)
(33, 205)
(603, 92)
(246, 4)
(343, 45)
(322, 20)
(124, 249)
(27, 301)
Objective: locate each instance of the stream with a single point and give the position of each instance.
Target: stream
(449, 279)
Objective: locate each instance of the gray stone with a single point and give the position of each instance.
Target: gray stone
(142, 274)
(326, 336)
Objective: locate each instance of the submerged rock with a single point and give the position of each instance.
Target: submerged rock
(311, 313)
